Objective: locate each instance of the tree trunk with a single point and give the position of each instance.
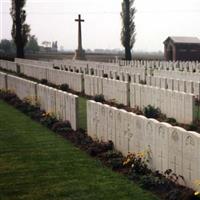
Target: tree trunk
(19, 41)
(20, 52)
(128, 55)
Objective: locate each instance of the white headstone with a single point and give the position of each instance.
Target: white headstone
(175, 150)
(191, 157)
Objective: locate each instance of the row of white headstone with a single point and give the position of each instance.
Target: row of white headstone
(178, 75)
(39, 72)
(185, 86)
(166, 147)
(130, 66)
(118, 91)
(111, 89)
(137, 67)
(34, 71)
(61, 104)
(23, 88)
(123, 74)
(190, 87)
(175, 69)
(64, 106)
(42, 70)
(11, 66)
(75, 80)
(34, 62)
(3, 84)
(180, 70)
(187, 66)
(99, 69)
(177, 105)
(58, 77)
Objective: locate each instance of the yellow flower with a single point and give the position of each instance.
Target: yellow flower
(196, 193)
(197, 182)
(141, 154)
(126, 161)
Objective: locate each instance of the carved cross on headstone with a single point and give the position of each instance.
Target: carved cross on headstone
(175, 165)
(96, 122)
(79, 20)
(190, 171)
(129, 135)
(119, 122)
(161, 160)
(110, 127)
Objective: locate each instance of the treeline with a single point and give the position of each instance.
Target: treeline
(9, 47)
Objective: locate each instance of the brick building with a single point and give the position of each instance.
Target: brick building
(182, 48)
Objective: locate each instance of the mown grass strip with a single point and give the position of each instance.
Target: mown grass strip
(82, 112)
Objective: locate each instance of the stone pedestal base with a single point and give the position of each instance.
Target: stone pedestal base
(79, 55)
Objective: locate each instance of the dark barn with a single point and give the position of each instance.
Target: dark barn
(182, 48)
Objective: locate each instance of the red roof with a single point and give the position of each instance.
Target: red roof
(184, 40)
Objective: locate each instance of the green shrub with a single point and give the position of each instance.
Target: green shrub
(172, 121)
(99, 98)
(64, 87)
(43, 81)
(177, 193)
(149, 181)
(114, 159)
(97, 148)
(20, 74)
(36, 114)
(158, 180)
(151, 112)
(120, 106)
(193, 127)
(61, 126)
(48, 120)
(8, 96)
(137, 163)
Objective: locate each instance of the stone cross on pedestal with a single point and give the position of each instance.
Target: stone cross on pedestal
(80, 53)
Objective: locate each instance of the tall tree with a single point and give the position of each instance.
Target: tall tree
(20, 30)
(128, 27)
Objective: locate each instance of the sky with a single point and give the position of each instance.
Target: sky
(53, 20)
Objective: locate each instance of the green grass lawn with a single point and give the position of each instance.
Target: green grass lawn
(37, 164)
(197, 112)
(82, 113)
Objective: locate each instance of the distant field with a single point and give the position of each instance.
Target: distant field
(99, 57)
(36, 164)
